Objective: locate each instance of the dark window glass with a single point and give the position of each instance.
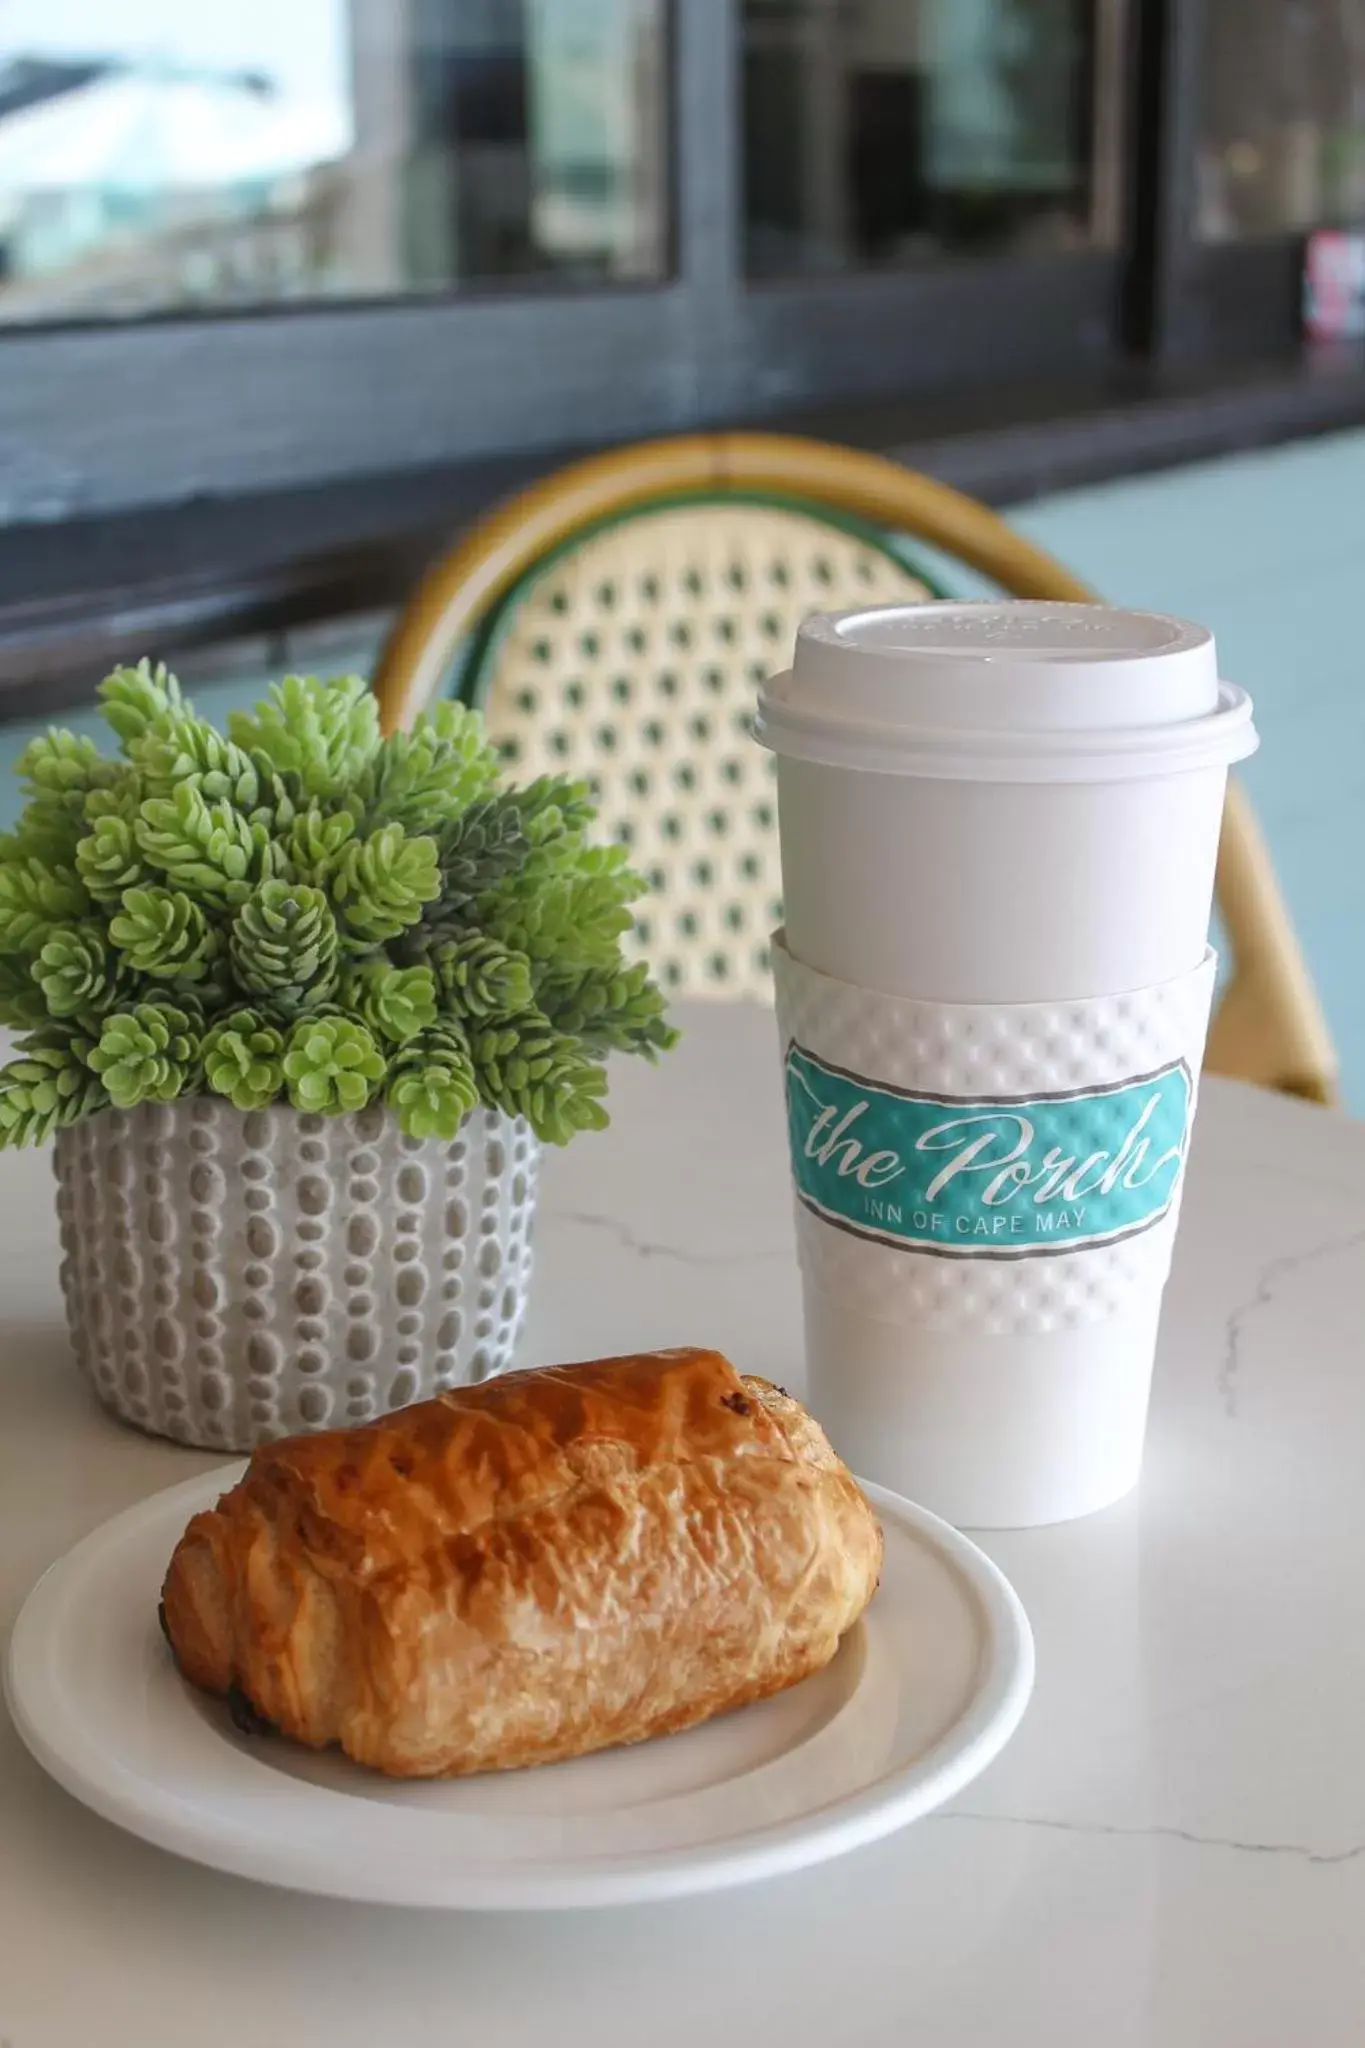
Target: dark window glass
(170, 155)
(1282, 142)
(889, 132)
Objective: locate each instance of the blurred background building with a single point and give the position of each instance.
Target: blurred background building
(327, 149)
(291, 289)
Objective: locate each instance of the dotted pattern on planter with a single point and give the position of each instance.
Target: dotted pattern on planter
(213, 1390)
(409, 1195)
(973, 1050)
(516, 1274)
(166, 1374)
(450, 1330)
(634, 660)
(232, 1278)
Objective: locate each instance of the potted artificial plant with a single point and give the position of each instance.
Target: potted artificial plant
(300, 1005)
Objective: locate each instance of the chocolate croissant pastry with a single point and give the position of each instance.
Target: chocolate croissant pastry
(523, 1571)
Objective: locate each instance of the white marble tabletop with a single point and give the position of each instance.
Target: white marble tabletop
(1171, 1854)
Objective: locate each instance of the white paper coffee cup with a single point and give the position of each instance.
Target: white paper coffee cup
(999, 824)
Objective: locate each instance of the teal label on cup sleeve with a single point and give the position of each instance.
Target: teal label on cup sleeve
(986, 1177)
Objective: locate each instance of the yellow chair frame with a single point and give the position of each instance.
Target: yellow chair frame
(1269, 1027)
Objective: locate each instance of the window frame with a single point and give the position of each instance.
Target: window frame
(240, 408)
(1194, 301)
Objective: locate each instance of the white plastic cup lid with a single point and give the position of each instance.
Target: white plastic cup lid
(1005, 692)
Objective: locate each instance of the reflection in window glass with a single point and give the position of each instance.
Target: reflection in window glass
(1282, 145)
(161, 156)
(884, 132)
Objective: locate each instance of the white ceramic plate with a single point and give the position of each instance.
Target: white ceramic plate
(924, 1692)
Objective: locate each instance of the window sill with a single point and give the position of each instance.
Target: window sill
(78, 597)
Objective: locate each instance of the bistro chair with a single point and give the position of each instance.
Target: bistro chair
(616, 618)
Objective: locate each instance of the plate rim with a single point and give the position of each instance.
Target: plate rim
(894, 1801)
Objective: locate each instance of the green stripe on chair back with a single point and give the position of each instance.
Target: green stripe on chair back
(631, 656)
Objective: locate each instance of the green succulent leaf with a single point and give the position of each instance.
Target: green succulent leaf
(134, 698)
(553, 807)
(62, 771)
(527, 1068)
(218, 991)
(381, 883)
(163, 933)
(315, 839)
(280, 797)
(33, 897)
(432, 1084)
(47, 1087)
(179, 747)
(284, 945)
(424, 778)
(119, 797)
(479, 977)
(109, 860)
(149, 1053)
(331, 1065)
(573, 916)
(611, 1009)
(77, 971)
(22, 1003)
(48, 829)
(482, 847)
(60, 763)
(325, 733)
(243, 1055)
(210, 850)
(396, 1002)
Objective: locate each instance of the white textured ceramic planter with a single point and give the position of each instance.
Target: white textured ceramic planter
(232, 1277)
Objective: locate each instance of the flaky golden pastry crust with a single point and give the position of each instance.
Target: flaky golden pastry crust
(523, 1571)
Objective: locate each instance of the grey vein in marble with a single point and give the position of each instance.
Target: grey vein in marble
(1268, 1282)
(1159, 1832)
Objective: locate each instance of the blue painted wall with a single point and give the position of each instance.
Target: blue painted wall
(1269, 551)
